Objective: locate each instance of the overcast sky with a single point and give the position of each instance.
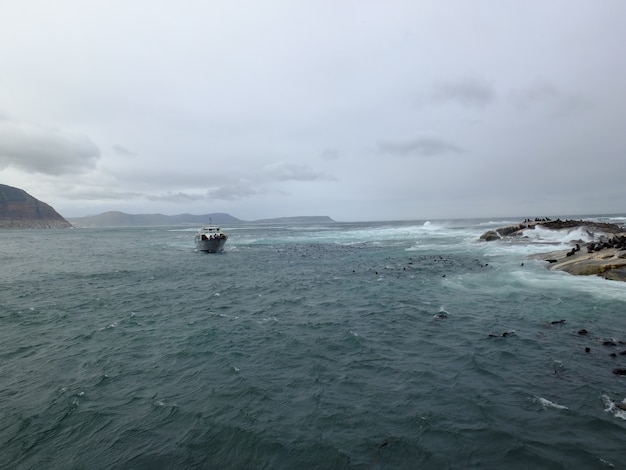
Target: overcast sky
(359, 110)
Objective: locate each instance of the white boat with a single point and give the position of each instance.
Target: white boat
(210, 239)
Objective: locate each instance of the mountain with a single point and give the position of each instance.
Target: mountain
(121, 219)
(18, 209)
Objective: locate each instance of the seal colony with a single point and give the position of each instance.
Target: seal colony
(604, 255)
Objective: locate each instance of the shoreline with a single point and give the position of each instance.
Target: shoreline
(604, 255)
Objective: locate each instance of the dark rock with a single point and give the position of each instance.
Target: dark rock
(615, 274)
(502, 335)
(619, 371)
(514, 231)
(490, 236)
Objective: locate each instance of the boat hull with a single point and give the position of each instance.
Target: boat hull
(211, 246)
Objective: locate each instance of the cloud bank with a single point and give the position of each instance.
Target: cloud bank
(46, 150)
(426, 145)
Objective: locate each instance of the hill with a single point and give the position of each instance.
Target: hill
(19, 210)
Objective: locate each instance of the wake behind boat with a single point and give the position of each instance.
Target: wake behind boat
(210, 239)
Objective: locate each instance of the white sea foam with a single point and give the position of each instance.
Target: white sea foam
(549, 404)
(610, 407)
(441, 314)
(109, 326)
(615, 220)
(564, 236)
(497, 223)
(271, 319)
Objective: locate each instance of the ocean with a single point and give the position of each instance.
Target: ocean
(382, 345)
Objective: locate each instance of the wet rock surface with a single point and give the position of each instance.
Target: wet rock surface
(604, 255)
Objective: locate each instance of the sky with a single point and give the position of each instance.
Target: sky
(358, 110)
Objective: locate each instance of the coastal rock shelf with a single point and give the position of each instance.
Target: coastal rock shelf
(602, 254)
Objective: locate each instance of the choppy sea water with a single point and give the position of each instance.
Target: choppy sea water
(358, 346)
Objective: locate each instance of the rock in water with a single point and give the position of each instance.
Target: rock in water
(18, 209)
(605, 254)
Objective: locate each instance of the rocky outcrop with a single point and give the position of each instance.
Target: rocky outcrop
(609, 263)
(604, 256)
(518, 230)
(19, 210)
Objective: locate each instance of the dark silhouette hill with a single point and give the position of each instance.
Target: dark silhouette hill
(18, 209)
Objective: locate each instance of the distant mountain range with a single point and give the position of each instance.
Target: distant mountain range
(121, 219)
(19, 210)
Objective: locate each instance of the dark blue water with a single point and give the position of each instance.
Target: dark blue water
(341, 346)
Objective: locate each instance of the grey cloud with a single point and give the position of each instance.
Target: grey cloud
(285, 171)
(423, 146)
(176, 197)
(471, 93)
(330, 154)
(538, 92)
(97, 194)
(121, 150)
(44, 150)
(258, 183)
(94, 192)
(544, 95)
(233, 192)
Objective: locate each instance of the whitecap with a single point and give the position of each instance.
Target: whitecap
(109, 326)
(441, 314)
(549, 404)
(611, 407)
(565, 236)
(606, 462)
